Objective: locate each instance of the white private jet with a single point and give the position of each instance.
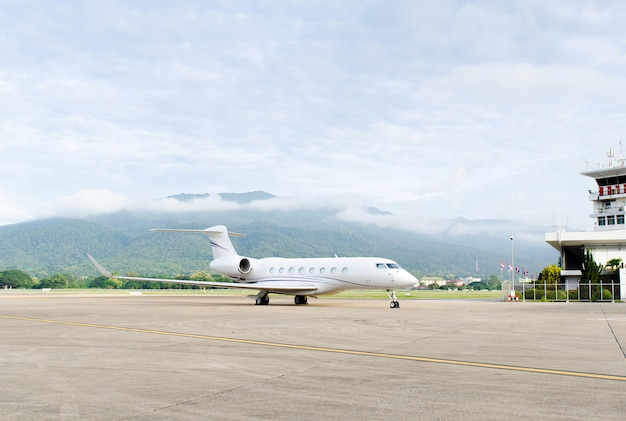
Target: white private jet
(302, 277)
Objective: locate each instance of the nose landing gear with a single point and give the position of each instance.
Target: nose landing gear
(392, 296)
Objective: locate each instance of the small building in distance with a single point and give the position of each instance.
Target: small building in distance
(608, 239)
(427, 281)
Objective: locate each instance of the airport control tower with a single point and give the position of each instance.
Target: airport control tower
(610, 197)
(608, 239)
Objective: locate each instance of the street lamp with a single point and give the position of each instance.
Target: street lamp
(512, 265)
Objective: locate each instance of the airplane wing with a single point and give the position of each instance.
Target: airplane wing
(269, 285)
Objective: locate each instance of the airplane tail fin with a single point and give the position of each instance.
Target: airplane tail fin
(218, 234)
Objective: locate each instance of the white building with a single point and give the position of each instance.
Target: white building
(608, 240)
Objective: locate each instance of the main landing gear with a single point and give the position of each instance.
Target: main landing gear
(262, 299)
(300, 299)
(392, 296)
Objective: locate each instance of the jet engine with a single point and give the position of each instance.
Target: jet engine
(236, 267)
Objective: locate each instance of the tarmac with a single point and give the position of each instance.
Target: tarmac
(178, 357)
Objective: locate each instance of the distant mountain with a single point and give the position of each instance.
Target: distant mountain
(375, 211)
(123, 242)
(189, 197)
(229, 197)
(246, 197)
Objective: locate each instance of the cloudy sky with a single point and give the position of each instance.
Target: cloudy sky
(427, 109)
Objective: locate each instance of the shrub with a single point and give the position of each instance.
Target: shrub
(606, 295)
(533, 294)
(556, 295)
(584, 292)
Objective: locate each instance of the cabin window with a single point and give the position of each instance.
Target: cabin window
(272, 270)
(281, 270)
(301, 270)
(333, 270)
(344, 270)
(322, 270)
(292, 270)
(311, 270)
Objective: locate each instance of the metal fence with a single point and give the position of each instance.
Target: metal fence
(604, 291)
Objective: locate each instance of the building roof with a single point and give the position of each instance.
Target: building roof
(560, 239)
(605, 172)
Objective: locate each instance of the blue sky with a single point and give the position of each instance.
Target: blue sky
(429, 110)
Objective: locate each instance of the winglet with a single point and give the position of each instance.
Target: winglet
(100, 268)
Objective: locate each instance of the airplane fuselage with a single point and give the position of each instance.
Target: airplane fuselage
(327, 275)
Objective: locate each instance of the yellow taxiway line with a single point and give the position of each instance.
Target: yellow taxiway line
(332, 350)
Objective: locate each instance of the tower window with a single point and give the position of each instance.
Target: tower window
(601, 221)
(620, 219)
(610, 220)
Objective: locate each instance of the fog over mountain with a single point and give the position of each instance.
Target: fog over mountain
(274, 226)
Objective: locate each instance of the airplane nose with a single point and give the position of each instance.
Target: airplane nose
(404, 279)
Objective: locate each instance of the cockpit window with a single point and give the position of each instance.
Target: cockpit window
(387, 265)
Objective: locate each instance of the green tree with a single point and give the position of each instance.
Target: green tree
(97, 282)
(550, 275)
(74, 282)
(112, 283)
(105, 282)
(133, 284)
(478, 286)
(15, 279)
(494, 282)
(55, 281)
(201, 276)
(590, 278)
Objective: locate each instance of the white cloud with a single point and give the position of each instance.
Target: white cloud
(85, 203)
(430, 110)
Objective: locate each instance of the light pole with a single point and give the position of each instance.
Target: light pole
(512, 269)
